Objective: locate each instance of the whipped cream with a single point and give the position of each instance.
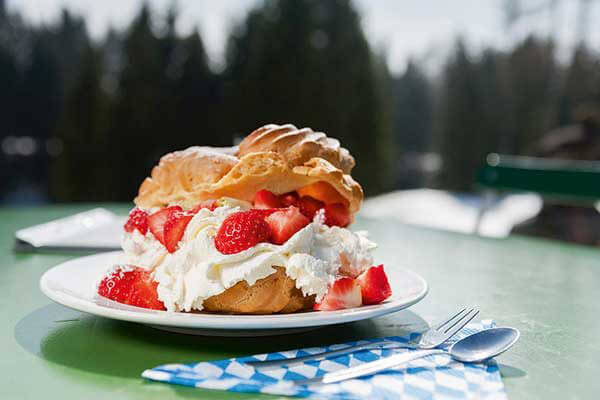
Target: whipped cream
(142, 250)
(314, 256)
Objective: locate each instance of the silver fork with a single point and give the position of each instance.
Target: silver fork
(429, 339)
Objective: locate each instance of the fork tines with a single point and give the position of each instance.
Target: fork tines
(457, 321)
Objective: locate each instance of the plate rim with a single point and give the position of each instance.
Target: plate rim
(221, 321)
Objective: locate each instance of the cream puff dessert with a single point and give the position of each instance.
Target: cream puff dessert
(259, 228)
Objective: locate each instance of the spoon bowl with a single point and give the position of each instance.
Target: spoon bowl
(483, 345)
(474, 348)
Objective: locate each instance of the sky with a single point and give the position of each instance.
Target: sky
(403, 29)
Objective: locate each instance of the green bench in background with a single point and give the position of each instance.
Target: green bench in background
(566, 182)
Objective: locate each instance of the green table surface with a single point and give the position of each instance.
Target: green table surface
(548, 290)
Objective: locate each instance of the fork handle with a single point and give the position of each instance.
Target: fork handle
(370, 368)
(326, 354)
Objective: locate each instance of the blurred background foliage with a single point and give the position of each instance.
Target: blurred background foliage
(85, 120)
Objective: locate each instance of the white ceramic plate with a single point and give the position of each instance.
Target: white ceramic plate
(73, 284)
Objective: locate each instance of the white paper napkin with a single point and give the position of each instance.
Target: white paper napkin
(96, 229)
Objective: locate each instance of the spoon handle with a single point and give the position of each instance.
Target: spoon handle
(370, 368)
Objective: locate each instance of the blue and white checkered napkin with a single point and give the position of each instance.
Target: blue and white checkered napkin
(433, 377)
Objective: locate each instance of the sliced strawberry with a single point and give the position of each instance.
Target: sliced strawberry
(175, 227)
(344, 293)
(138, 219)
(337, 215)
(374, 285)
(265, 212)
(289, 199)
(322, 191)
(266, 199)
(210, 204)
(284, 223)
(309, 206)
(241, 231)
(156, 221)
(134, 287)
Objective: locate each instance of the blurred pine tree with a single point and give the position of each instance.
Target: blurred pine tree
(497, 118)
(166, 100)
(461, 136)
(413, 123)
(69, 41)
(83, 170)
(307, 62)
(581, 85)
(9, 86)
(414, 109)
(138, 136)
(534, 91)
(199, 98)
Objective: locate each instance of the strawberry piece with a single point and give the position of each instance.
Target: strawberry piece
(138, 219)
(289, 199)
(284, 223)
(322, 191)
(337, 215)
(374, 285)
(174, 228)
(242, 230)
(134, 287)
(156, 221)
(266, 199)
(344, 293)
(309, 206)
(210, 204)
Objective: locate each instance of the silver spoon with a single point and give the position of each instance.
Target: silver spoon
(477, 347)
